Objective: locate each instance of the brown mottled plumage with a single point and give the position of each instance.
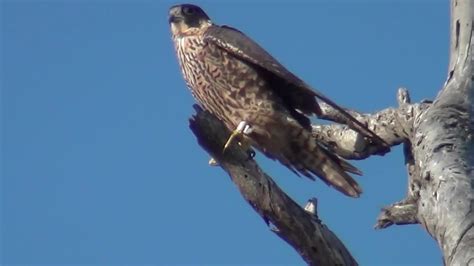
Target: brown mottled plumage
(235, 79)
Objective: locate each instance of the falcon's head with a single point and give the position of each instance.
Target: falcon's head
(186, 17)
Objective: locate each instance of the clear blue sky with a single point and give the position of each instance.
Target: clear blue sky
(98, 163)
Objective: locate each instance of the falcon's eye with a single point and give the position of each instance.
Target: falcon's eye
(187, 10)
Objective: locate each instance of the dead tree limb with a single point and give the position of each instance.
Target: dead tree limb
(439, 153)
(443, 149)
(302, 229)
(391, 124)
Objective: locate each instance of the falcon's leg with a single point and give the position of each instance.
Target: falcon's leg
(242, 128)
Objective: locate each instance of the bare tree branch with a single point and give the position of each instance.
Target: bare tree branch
(302, 229)
(399, 213)
(394, 125)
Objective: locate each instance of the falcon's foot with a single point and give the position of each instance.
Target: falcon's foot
(242, 128)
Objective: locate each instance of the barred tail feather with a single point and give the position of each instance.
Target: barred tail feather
(330, 168)
(296, 148)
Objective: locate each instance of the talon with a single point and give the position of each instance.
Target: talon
(248, 148)
(242, 128)
(244, 144)
(232, 136)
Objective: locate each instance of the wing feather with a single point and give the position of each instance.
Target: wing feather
(300, 96)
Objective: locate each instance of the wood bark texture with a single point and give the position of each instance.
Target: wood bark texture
(443, 149)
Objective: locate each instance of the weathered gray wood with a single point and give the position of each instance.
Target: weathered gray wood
(316, 244)
(394, 125)
(399, 213)
(440, 153)
(443, 149)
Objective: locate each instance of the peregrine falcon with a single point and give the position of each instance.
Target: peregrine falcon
(257, 98)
